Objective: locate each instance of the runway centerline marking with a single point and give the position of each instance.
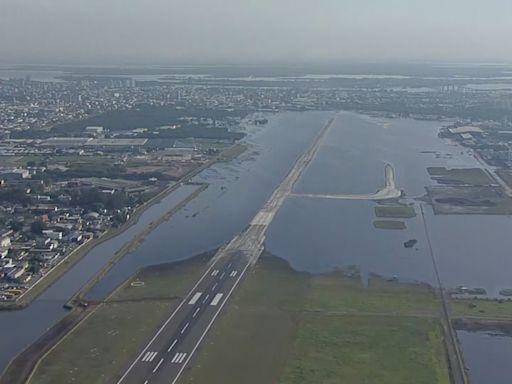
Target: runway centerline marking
(196, 311)
(184, 328)
(172, 345)
(158, 365)
(206, 298)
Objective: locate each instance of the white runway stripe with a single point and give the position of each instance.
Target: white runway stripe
(196, 312)
(216, 299)
(172, 345)
(184, 328)
(158, 365)
(206, 298)
(148, 357)
(222, 276)
(176, 357)
(233, 273)
(194, 298)
(182, 358)
(215, 272)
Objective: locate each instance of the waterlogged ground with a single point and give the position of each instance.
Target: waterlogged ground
(236, 192)
(315, 235)
(321, 236)
(487, 356)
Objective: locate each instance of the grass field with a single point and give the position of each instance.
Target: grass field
(389, 224)
(367, 349)
(287, 327)
(336, 292)
(99, 348)
(481, 308)
(467, 176)
(281, 326)
(252, 340)
(397, 211)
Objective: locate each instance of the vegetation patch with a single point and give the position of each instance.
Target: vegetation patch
(98, 349)
(367, 349)
(288, 327)
(460, 176)
(470, 200)
(481, 308)
(250, 342)
(395, 211)
(389, 224)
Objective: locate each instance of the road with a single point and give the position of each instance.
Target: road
(491, 171)
(171, 349)
(389, 191)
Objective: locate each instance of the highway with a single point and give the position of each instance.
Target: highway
(389, 191)
(171, 349)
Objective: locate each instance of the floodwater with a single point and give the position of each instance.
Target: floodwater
(313, 235)
(322, 235)
(237, 190)
(487, 356)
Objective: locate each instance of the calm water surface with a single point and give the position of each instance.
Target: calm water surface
(313, 235)
(487, 356)
(322, 235)
(236, 192)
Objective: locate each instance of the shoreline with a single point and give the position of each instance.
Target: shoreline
(21, 368)
(77, 254)
(48, 340)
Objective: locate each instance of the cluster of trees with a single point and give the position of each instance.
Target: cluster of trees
(95, 200)
(107, 171)
(14, 195)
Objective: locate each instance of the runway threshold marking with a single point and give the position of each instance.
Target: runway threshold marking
(149, 357)
(194, 298)
(164, 325)
(176, 378)
(178, 358)
(233, 273)
(216, 299)
(215, 272)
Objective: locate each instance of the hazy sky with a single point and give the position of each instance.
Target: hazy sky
(233, 31)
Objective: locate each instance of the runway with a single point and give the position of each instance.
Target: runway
(171, 349)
